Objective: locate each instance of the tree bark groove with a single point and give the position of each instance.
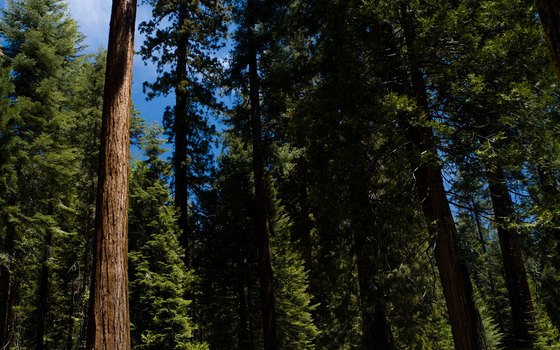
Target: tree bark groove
(109, 323)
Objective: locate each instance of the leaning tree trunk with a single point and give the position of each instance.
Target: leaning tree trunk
(549, 12)
(516, 276)
(466, 325)
(109, 322)
(267, 295)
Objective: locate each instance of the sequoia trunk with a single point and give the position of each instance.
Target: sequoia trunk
(549, 12)
(466, 325)
(109, 323)
(262, 225)
(514, 266)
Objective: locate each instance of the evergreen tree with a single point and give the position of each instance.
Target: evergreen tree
(8, 190)
(40, 45)
(184, 35)
(158, 276)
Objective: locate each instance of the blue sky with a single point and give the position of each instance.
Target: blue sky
(93, 19)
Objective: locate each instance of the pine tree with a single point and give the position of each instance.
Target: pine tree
(158, 276)
(185, 35)
(40, 43)
(8, 189)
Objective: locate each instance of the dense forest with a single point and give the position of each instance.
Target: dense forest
(354, 174)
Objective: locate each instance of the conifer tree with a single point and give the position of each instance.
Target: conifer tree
(41, 43)
(8, 190)
(158, 276)
(184, 35)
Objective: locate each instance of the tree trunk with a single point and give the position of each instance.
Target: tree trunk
(180, 131)
(243, 339)
(109, 323)
(7, 289)
(266, 288)
(466, 325)
(44, 292)
(549, 12)
(377, 333)
(514, 266)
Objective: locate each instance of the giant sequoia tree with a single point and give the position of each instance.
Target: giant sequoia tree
(109, 322)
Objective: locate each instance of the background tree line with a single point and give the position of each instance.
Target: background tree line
(386, 177)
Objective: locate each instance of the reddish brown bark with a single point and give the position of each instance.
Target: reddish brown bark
(466, 325)
(109, 324)
(266, 289)
(514, 266)
(549, 12)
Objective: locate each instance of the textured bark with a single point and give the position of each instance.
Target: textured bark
(466, 325)
(549, 12)
(266, 289)
(109, 324)
(180, 135)
(514, 266)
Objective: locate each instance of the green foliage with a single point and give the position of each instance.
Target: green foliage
(348, 233)
(293, 301)
(158, 277)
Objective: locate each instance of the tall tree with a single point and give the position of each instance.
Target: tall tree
(41, 42)
(181, 39)
(270, 331)
(468, 331)
(109, 324)
(549, 13)
(8, 187)
(158, 277)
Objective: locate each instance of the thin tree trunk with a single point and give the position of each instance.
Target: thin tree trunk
(549, 12)
(7, 289)
(377, 333)
(243, 339)
(109, 322)
(305, 224)
(180, 131)
(43, 292)
(479, 230)
(514, 266)
(466, 325)
(267, 295)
